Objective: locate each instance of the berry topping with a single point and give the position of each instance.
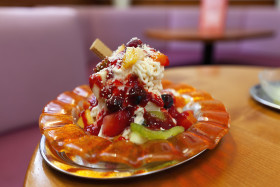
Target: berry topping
(167, 100)
(134, 42)
(114, 104)
(136, 94)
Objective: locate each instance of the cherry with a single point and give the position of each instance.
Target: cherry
(167, 100)
(136, 94)
(134, 42)
(114, 104)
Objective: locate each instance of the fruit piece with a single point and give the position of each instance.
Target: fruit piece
(135, 137)
(134, 42)
(190, 116)
(158, 120)
(158, 114)
(85, 119)
(152, 135)
(136, 94)
(156, 99)
(80, 122)
(180, 101)
(114, 104)
(167, 100)
(88, 117)
(184, 119)
(151, 107)
(163, 59)
(95, 80)
(120, 48)
(131, 56)
(115, 123)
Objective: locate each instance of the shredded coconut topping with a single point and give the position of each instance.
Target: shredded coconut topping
(151, 73)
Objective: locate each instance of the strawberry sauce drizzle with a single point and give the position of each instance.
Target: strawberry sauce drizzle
(120, 97)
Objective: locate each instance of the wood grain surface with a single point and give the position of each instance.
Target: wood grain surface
(182, 34)
(247, 156)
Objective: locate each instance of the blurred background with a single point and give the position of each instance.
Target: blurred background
(44, 51)
(131, 2)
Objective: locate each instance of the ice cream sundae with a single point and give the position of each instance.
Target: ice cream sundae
(129, 115)
(129, 102)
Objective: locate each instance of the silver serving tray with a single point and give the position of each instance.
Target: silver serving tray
(259, 95)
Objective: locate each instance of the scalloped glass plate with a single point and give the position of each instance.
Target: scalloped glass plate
(61, 162)
(67, 148)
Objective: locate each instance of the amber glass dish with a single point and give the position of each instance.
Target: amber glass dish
(58, 125)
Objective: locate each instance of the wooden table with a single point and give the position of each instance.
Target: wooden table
(207, 38)
(249, 155)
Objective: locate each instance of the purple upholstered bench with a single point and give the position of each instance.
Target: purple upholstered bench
(41, 56)
(262, 52)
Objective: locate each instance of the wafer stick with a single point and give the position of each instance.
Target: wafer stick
(100, 49)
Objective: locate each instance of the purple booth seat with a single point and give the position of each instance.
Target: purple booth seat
(259, 51)
(41, 54)
(185, 52)
(16, 151)
(265, 18)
